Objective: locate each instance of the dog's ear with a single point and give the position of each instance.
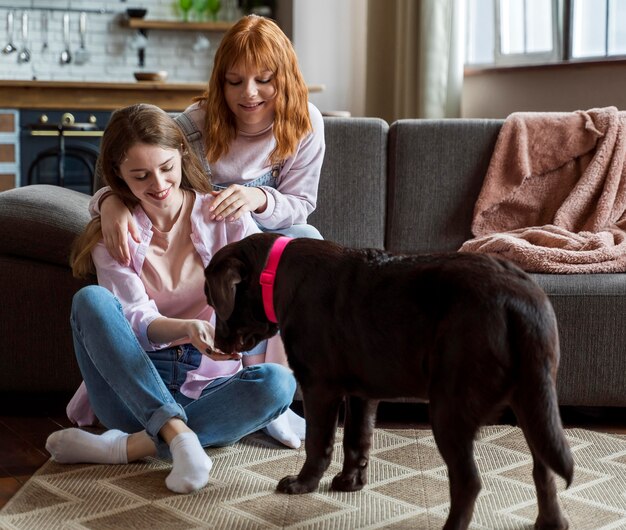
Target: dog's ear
(221, 286)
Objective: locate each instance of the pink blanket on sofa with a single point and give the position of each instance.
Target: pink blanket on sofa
(554, 197)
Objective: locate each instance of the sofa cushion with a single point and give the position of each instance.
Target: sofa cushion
(351, 200)
(41, 221)
(436, 170)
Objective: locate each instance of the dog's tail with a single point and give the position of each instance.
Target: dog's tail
(535, 399)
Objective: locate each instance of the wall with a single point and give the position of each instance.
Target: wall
(329, 38)
(109, 44)
(497, 94)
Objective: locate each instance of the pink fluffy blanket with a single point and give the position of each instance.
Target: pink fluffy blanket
(554, 197)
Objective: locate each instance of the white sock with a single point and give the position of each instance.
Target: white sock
(75, 446)
(297, 424)
(281, 430)
(191, 465)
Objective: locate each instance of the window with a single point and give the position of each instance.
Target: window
(511, 32)
(598, 28)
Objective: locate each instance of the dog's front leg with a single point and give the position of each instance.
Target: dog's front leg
(321, 410)
(357, 440)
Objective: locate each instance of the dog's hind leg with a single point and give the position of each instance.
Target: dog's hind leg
(535, 404)
(550, 516)
(360, 420)
(454, 434)
(321, 411)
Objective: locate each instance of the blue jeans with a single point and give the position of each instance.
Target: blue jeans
(132, 390)
(301, 230)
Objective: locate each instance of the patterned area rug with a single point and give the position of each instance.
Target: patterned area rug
(407, 488)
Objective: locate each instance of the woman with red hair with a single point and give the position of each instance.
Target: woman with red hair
(260, 140)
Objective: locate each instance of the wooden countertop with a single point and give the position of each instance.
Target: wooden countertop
(96, 96)
(87, 95)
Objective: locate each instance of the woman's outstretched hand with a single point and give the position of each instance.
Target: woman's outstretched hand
(201, 334)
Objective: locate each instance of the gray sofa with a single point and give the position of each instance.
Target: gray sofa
(407, 187)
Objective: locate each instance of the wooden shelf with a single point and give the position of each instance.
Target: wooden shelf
(175, 25)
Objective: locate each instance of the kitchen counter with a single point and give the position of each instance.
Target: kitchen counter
(96, 96)
(100, 96)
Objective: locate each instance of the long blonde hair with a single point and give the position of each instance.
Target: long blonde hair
(259, 42)
(145, 124)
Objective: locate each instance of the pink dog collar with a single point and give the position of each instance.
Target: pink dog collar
(268, 276)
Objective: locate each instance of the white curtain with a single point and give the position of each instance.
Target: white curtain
(415, 53)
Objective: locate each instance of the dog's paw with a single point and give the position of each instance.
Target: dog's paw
(293, 485)
(557, 523)
(349, 481)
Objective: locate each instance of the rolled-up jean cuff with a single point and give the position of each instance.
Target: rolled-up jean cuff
(158, 419)
(261, 347)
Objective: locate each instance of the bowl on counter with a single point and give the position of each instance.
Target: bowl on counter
(155, 77)
(133, 12)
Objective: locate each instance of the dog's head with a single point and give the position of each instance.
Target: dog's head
(232, 288)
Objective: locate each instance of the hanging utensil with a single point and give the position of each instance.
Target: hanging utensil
(23, 55)
(66, 55)
(44, 31)
(82, 55)
(9, 47)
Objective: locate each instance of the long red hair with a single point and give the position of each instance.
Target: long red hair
(257, 42)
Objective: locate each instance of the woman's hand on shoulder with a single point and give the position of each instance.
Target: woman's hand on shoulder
(117, 222)
(234, 201)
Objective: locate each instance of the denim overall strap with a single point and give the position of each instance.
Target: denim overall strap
(194, 137)
(270, 179)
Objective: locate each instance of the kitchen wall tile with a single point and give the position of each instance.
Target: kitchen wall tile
(109, 44)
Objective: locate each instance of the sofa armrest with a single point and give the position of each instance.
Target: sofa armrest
(40, 222)
(37, 227)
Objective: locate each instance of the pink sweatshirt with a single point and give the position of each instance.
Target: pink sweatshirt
(126, 283)
(295, 196)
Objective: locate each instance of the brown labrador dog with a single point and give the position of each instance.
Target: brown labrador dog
(469, 333)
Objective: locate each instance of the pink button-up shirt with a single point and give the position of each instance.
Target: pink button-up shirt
(125, 283)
